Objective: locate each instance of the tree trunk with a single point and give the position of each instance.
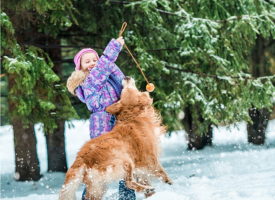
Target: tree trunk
(56, 149)
(256, 131)
(56, 142)
(26, 160)
(207, 139)
(195, 141)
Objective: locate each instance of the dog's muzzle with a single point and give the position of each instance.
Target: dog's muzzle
(128, 82)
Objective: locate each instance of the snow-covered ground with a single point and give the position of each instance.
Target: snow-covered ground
(229, 170)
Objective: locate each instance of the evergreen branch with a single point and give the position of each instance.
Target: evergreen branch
(119, 2)
(188, 71)
(174, 48)
(68, 46)
(217, 21)
(216, 76)
(94, 47)
(169, 13)
(61, 46)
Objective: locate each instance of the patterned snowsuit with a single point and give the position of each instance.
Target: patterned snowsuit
(102, 88)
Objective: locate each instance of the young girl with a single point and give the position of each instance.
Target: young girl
(98, 83)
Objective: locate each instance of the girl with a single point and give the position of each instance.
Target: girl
(98, 83)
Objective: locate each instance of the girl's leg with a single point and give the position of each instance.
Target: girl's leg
(126, 193)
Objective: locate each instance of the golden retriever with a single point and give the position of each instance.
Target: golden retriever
(130, 149)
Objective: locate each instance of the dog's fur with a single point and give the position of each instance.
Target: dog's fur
(131, 148)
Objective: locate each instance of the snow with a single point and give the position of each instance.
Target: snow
(230, 169)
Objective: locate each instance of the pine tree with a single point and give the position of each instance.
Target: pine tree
(195, 52)
(33, 86)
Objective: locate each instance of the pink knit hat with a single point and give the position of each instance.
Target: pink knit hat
(80, 54)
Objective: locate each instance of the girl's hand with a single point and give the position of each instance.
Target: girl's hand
(120, 40)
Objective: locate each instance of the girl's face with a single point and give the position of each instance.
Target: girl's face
(88, 61)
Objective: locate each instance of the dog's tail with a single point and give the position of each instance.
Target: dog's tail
(73, 178)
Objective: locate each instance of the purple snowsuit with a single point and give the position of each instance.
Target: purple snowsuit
(102, 88)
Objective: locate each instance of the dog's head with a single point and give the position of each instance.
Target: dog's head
(131, 102)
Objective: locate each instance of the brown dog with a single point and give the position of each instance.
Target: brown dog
(131, 148)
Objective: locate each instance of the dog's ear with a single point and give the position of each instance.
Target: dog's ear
(145, 99)
(114, 108)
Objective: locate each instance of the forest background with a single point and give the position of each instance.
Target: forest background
(212, 63)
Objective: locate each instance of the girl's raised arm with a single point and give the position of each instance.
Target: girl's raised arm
(104, 67)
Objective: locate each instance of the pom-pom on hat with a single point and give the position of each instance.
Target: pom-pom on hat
(80, 54)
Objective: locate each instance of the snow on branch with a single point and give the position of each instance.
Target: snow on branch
(222, 77)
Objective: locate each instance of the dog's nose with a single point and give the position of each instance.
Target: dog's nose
(127, 78)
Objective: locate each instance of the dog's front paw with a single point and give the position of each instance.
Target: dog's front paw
(150, 189)
(150, 194)
(169, 181)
